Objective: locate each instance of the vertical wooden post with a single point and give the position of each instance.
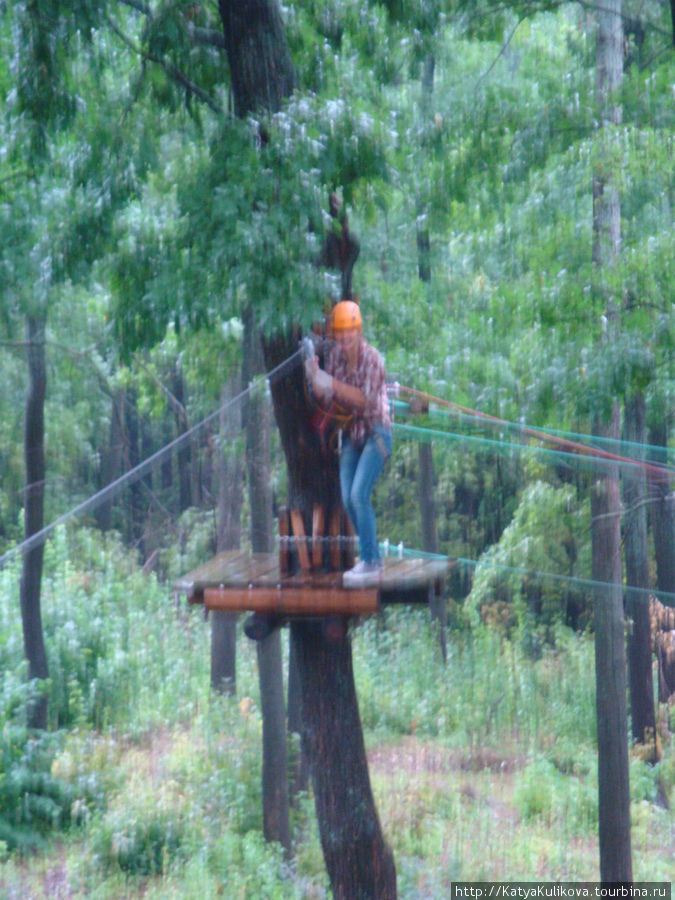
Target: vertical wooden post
(300, 539)
(318, 525)
(284, 534)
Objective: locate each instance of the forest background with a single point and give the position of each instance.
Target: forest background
(139, 218)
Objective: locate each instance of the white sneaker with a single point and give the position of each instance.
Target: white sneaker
(363, 574)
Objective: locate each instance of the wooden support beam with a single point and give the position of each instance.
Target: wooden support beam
(300, 601)
(334, 534)
(300, 539)
(318, 525)
(284, 544)
(349, 555)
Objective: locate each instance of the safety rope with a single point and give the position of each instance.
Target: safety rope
(638, 593)
(424, 433)
(134, 474)
(640, 450)
(573, 448)
(658, 472)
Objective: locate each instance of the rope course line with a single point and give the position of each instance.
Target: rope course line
(430, 434)
(666, 597)
(146, 466)
(596, 440)
(573, 447)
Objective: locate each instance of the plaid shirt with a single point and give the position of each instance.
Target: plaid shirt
(368, 375)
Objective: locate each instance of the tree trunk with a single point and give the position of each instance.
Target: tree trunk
(610, 672)
(185, 475)
(262, 76)
(261, 69)
(359, 863)
(610, 654)
(276, 814)
(230, 498)
(425, 450)
(641, 682)
(111, 463)
(134, 517)
(34, 452)
(662, 510)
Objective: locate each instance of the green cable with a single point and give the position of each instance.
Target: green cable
(430, 434)
(666, 597)
(590, 440)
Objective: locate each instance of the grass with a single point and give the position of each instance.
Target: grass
(483, 768)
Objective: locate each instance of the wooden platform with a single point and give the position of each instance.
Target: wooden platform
(238, 581)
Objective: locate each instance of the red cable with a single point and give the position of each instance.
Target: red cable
(661, 472)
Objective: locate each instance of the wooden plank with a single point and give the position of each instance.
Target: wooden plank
(318, 524)
(284, 534)
(412, 571)
(334, 532)
(301, 539)
(193, 582)
(349, 555)
(302, 601)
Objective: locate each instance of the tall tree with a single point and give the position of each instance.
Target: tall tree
(230, 497)
(34, 450)
(257, 423)
(358, 861)
(610, 657)
(662, 504)
(634, 483)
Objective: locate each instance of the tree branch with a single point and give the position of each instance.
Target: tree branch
(172, 71)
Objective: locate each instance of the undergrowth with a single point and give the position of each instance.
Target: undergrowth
(483, 766)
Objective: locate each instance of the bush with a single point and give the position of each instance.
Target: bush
(32, 800)
(144, 835)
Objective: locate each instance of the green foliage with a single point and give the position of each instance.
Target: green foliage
(508, 587)
(488, 692)
(544, 794)
(34, 799)
(144, 838)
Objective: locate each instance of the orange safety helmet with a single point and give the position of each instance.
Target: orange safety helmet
(346, 314)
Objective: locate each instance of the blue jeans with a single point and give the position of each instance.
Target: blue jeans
(360, 468)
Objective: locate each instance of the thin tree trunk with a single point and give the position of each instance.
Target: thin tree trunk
(662, 510)
(112, 458)
(134, 518)
(185, 474)
(610, 654)
(425, 450)
(230, 498)
(276, 814)
(610, 672)
(31, 576)
(643, 716)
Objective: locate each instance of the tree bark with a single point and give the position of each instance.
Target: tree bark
(185, 479)
(276, 813)
(261, 70)
(359, 863)
(31, 576)
(662, 510)
(610, 672)
(262, 76)
(111, 463)
(610, 654)
(425, 450)
(230, 498)
(641, 682)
